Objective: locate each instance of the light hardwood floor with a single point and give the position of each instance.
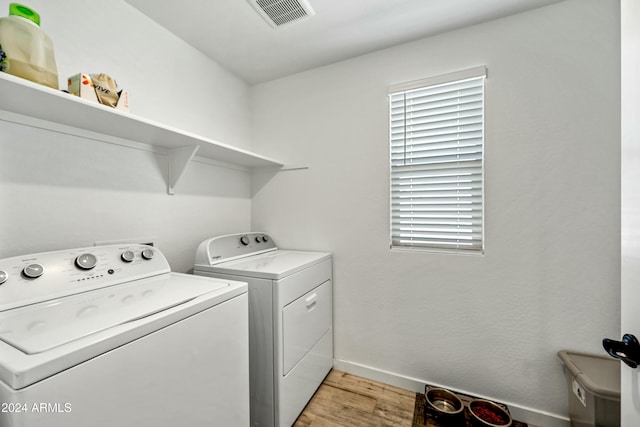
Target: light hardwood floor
(345, 400)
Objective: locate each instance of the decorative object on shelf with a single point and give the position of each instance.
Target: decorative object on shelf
(26, 50)
(4, 64)
(100, 88)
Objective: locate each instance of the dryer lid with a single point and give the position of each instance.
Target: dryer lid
(41, 327)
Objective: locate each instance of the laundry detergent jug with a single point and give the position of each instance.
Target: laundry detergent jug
(25, 50)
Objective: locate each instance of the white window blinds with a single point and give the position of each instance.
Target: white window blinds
(436, 156)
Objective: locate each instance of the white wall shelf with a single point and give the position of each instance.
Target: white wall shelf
(24, 101)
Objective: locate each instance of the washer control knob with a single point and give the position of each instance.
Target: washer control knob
(33, 271)
(86, 261)
(127, 256)
(3, 276)
(258, 239)
(147, 253)
(265, 238)
(244, 240)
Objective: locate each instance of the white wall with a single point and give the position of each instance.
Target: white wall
(549, 279)
(61, 191)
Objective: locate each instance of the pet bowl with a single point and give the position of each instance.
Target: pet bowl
(443, 401)
(485, 413)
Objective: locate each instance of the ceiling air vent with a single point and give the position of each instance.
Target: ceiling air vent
(280, 12)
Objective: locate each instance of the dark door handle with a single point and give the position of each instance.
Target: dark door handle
(627, 350)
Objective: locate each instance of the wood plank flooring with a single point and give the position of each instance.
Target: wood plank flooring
(345, 400)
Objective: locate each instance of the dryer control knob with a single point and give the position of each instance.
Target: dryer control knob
(3, 276)
(258, 239)
(244, 240)
(265, 238)
(33, 271)
(86, 261)
(127, 256)
(147, 254)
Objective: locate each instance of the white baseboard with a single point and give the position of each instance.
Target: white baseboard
(527, 415)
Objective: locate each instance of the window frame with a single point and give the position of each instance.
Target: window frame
(444, 79)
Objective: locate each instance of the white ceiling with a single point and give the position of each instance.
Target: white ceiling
(234, 35)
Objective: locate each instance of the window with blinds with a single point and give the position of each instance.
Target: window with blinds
(436, 157)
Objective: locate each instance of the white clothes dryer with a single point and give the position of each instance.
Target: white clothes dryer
(290, 319)
(108, 336)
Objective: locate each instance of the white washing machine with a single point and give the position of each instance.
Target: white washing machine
(109, 336)
(290, 319)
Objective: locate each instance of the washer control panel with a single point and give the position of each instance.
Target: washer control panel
(233, 246)
(44, 276)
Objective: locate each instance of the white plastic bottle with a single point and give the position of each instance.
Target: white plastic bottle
(25, 50)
